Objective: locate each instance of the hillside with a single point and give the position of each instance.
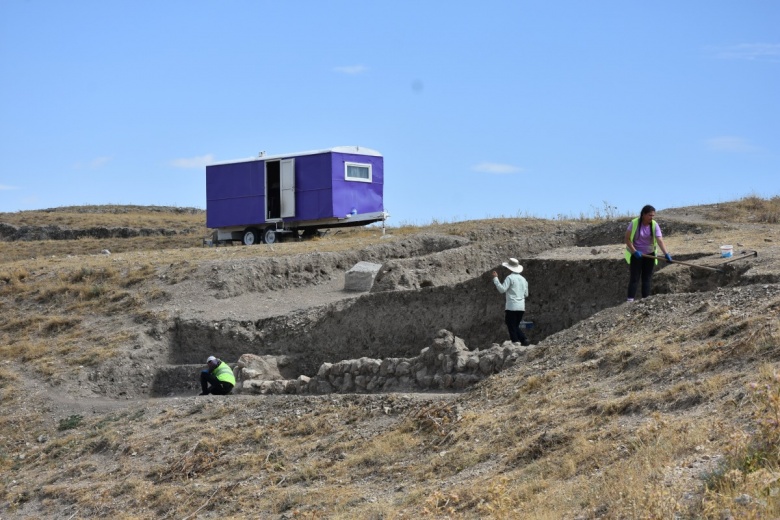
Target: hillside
(668, 407)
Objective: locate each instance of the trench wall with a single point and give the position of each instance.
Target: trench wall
(390, 323)
(401, 323)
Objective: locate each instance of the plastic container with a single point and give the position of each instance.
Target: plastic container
(726, 251)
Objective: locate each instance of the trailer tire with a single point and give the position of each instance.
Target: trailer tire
(251, 237)
(269, 235)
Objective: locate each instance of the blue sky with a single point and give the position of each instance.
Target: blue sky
(480, 109)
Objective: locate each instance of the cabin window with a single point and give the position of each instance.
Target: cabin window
(357, 172)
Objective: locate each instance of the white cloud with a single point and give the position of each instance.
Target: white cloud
(99, 162)
(730, 144)
(496, 168)
(193, 162)
(94, 164)
(3, 187)
(351, 69)
(750, 52)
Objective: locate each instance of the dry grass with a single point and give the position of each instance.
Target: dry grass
(748, 480)
(185, 228)
(518, 457)
(54, 302)
(188, 228)
(137, 217)
(749, 209)
(20, 250)
(608, 430)
(8, 381)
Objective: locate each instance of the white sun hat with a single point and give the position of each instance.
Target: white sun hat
(513, 265)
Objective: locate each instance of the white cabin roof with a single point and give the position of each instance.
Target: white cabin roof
(359, 150)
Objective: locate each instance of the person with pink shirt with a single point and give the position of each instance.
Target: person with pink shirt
(643, 239)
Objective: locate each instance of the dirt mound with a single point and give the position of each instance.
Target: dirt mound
(259, 275)
(613, 231)
(31, 233)
(453, 266)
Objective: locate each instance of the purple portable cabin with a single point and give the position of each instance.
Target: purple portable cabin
(266, 197)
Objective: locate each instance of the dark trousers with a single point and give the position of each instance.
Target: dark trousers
(512, 320)
(209, 384)
(640, 268)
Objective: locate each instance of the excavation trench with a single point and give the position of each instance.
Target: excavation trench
(399, 324)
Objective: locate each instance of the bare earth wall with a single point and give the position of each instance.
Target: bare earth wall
(401, 323)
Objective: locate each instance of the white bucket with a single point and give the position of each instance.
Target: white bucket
(726, 251)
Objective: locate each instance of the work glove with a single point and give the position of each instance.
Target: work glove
(638, 254)
(668, 257)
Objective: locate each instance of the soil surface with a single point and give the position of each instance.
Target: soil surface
(290, 301)
(288, 306)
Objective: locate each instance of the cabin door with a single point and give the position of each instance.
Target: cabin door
(287, 186)
(273, 191)
(279, 189)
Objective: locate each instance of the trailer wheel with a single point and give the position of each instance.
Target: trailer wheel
(251, 237)
(269, 235)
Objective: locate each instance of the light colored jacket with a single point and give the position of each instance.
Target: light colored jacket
(516, 289)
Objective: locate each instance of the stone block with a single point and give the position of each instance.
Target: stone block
(361, 277)
(252, 366)
(324, 370)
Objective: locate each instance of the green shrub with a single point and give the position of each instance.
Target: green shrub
(70, 422)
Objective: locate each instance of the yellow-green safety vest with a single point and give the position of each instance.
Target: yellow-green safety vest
(224, 373)
(634, 227)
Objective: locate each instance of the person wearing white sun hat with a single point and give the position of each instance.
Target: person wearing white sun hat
(515, 287)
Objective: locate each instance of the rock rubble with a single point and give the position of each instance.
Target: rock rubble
(447, 364)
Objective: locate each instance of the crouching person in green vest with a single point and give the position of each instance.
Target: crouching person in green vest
(218, 379)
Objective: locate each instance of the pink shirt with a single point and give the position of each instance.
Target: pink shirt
(642, 240)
